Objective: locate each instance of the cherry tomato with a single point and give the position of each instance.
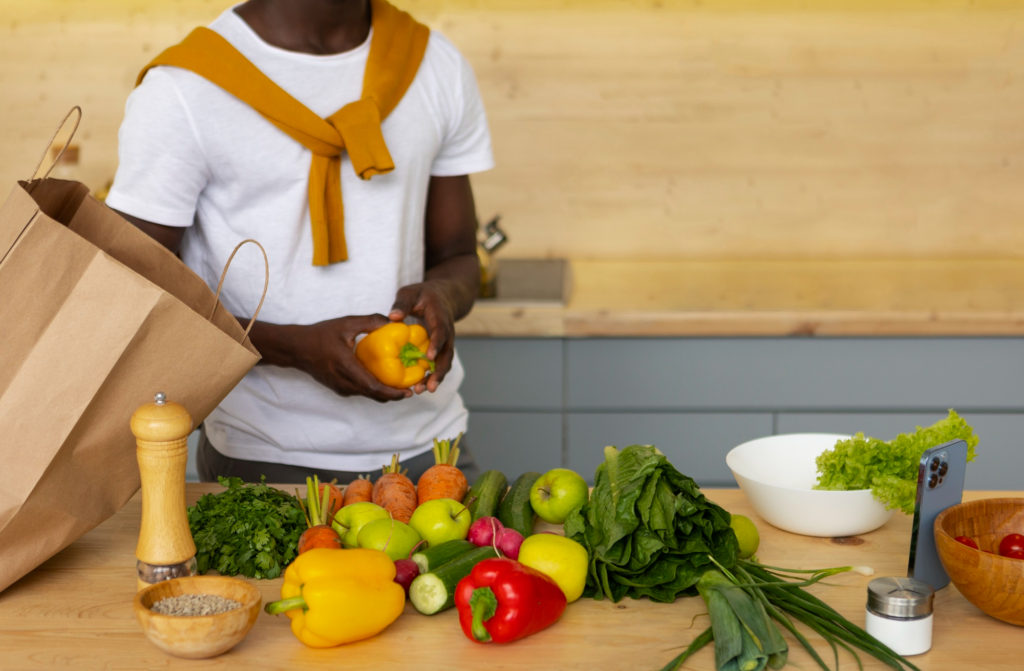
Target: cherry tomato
(1012, 545)
(967, 540)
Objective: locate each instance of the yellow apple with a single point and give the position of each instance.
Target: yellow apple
(562, 559)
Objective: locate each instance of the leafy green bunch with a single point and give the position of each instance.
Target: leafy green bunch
(889, 468)
(648, 529)
(248, 529)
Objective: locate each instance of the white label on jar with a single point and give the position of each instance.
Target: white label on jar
(904, 636)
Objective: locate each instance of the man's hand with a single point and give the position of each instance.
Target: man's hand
(429, 304)
(451, 276)
(326, 350)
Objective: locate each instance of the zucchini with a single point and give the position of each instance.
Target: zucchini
(434, 591)
(485, 494)
(515, 510)
(431, 557)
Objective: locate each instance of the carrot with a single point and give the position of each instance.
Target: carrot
(319, 536)
(318, 533)
(360, 489)
(395, 491)
(335, 500)
(443, 480)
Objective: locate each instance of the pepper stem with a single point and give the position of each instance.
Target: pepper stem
(410, 354)
(291, 603)
(484, 605)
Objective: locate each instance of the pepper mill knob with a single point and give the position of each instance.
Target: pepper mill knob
(165, 548)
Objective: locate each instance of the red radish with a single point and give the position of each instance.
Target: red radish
(483, 531)
(508, 543)
(405, 571)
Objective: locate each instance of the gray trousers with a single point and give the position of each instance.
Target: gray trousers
(210, 463)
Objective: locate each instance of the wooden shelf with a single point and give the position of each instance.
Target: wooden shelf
(872, 297)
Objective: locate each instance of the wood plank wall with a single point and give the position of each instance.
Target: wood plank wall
(653, 129)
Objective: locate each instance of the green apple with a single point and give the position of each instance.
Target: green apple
(562, 559)
(440, 520)
(557, 493)
(393, 537)
(351, 518)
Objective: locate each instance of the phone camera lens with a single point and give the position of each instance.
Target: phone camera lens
(943, 469)
(933, 480)
(934, 465)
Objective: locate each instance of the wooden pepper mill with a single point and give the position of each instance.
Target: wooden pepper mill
(166, 549)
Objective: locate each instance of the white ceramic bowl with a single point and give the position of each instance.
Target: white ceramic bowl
(778, 474)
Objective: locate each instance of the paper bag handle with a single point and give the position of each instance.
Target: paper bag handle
(266, 282)
(75, 111)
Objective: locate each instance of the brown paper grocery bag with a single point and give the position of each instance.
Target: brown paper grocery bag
(95, 318)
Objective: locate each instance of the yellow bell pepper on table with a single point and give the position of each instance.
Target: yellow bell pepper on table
(336, 596)
(396, 354)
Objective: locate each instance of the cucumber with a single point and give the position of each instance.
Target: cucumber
(483, 497)
(515, 510)
(430, 558)
(434, 591)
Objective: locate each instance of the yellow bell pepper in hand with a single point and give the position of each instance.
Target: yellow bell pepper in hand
(396, 354)
(336, 596)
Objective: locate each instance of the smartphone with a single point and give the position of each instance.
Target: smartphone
(940, 484)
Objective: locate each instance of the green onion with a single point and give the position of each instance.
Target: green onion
(743, 602)
(703, 639)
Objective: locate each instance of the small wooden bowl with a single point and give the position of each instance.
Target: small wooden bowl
(993, 583)
(198, 636)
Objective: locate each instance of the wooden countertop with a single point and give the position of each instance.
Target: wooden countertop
(884, 297)
(75, 611)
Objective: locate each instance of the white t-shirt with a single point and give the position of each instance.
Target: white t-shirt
(192, 155)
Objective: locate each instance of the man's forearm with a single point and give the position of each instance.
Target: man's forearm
(458, 280)
(276, 343)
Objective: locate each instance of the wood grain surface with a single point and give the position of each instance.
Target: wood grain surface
(75, 611)
(698, 129)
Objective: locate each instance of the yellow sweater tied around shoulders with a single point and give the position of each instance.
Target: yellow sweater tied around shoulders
(396, 50)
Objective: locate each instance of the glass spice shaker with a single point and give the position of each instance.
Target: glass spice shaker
(899, 614)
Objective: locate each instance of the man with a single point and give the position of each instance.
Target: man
(339, 134)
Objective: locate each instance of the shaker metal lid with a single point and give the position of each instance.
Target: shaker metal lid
(900, 597)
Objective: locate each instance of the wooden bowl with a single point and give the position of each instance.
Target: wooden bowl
(198, 636)
(993, 583)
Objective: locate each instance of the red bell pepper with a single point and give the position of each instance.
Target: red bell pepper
(502, 600)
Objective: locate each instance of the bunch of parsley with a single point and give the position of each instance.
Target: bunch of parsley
(248, 529)
(889, 468)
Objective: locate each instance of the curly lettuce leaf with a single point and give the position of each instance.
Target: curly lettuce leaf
(889, 468)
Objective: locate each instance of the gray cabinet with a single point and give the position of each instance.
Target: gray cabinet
(692, 441)
(515, 442)
(695, 398)
(516, 398)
